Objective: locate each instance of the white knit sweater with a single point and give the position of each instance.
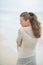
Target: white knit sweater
(26, 42)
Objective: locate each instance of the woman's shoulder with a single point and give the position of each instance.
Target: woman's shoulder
(20, 29)
(24, 29)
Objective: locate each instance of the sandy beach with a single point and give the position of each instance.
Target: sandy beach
(8, 56)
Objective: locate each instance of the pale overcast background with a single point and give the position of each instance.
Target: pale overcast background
(9, 23)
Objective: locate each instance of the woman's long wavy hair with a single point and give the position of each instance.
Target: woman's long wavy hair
(36, 27)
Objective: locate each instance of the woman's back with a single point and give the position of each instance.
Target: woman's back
(29, 42)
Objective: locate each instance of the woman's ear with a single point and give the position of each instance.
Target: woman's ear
(28, 22)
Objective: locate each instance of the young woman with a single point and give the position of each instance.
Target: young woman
(28, 36)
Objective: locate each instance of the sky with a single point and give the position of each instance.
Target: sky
(21, 5)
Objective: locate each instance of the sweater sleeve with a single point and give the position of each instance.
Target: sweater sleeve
(19, 39)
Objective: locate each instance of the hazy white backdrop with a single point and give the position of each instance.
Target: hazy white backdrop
(9, 25)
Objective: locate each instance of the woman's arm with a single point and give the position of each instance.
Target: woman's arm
(19, 39)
